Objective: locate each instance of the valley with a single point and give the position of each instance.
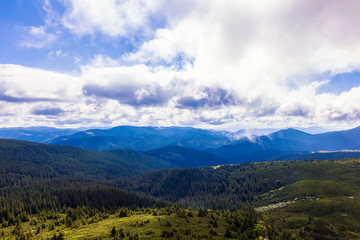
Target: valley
(154, 119)
(64, 192)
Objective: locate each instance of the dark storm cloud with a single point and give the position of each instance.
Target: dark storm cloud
(47, 111)
(130, 94)
(215, 97)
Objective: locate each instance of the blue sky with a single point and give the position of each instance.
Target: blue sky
(66, 53)
(213, 64)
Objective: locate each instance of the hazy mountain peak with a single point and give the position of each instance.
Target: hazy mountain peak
(289, 132)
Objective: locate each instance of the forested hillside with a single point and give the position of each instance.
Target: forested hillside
(57, 192)
(47, 161)
(48, 191)
(187, 157)
(318, 197)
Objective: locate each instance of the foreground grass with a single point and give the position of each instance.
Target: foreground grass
(328, 218)
(323, 203)
(143, 224)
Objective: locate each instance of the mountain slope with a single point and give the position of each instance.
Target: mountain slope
(143, 138)
(324, 155)
(292, 140)
(101, 143)
(249, 181)
(47, 161)
(318, 198)
(339, 140)
(35, 134)
(186, 157)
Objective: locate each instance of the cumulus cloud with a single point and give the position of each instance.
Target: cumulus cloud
(233, 62)
(113, 18)
(7, 98)
(129, 94)
(18, 82)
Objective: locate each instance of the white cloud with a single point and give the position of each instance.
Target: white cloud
(25, 91)
(29, 83)
(37, 31)
(273, 40)
(37, 37)
(233, 62)
(58, 53)
(43, 36)
(113, 18)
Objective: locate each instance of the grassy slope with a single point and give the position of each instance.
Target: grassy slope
(327, 192)
(313, 178)
(327, 205)
(136, 223)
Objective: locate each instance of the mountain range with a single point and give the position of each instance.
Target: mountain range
(144, 138)
(64, 177)
(290, 141)
(287, 142)
(35, 134)
(191, 147)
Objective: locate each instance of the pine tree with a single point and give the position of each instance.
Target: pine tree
(215, 224)
(113, 232)
(18, 230)
(228, 233)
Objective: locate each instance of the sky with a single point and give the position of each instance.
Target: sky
(229, 64)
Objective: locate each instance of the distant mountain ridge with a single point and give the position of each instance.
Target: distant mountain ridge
(292, 140)
(144, 138)
(225, 145)
(35, 134)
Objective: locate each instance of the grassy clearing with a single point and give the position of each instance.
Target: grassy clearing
(336, 218)
(327, 202)
(141, 225)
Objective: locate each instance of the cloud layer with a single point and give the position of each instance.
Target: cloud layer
(202, 63)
